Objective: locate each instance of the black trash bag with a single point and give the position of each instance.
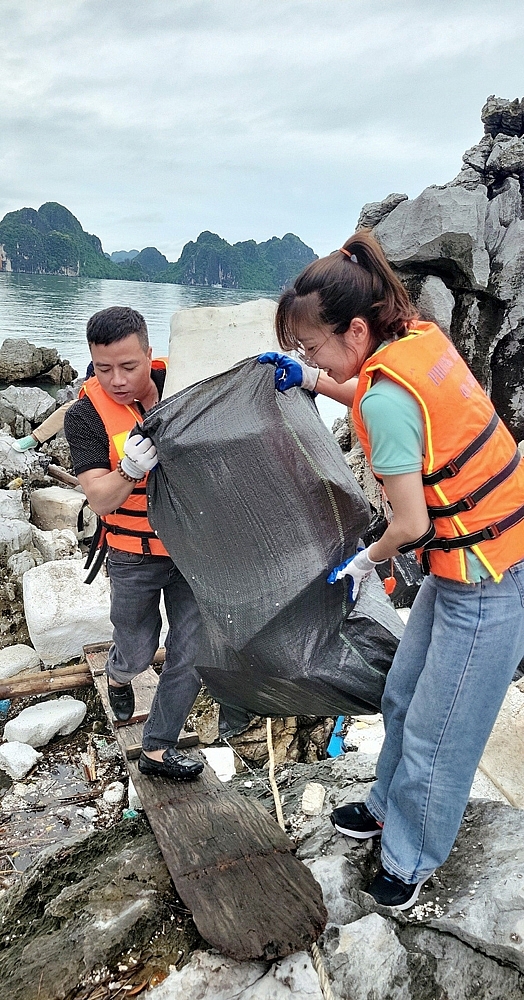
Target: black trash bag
(255, 503)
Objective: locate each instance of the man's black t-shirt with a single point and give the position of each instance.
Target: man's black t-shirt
(86, 434)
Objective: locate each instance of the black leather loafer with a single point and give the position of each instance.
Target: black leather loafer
(122, 701)
(174, 764)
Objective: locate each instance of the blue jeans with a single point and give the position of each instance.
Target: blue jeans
(449, 676)
(137, 583)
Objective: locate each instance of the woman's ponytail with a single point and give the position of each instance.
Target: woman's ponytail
(355, 280)
(392, 308)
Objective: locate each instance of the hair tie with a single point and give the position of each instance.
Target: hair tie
(351, 256)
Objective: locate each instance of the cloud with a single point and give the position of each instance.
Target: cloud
(154, 121)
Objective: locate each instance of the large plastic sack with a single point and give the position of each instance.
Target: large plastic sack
(255, 504)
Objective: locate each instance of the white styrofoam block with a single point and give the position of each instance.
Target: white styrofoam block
(63, 614)
(17, 759)
(211, 339)
(38, 724)
(222, 760)
(17, 658)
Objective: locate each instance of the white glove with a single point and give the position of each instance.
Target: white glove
(309, 374)
(357, 567)
(139, 456)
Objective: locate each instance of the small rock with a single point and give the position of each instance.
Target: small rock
(17, 759)
(88, 812)
(313, 798)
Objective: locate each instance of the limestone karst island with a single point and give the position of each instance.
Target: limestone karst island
(52, 241)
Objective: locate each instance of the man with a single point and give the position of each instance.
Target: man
(112, 466)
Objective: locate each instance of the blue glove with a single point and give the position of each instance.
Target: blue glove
(290, 372)
(357, 567)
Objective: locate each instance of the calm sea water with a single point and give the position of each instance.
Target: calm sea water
(52, 311)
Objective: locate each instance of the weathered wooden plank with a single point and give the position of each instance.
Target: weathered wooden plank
(232, 865)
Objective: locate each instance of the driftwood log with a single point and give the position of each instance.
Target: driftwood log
(76, 675)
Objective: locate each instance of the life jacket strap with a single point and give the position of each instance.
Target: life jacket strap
(419, 543)
(98, 544)
(115, 529)
(490, 532)
(453, 467)
(472, 499)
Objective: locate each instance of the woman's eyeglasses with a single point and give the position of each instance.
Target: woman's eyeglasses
(308, 356)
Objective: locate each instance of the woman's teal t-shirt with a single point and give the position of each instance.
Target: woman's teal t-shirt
(395, 430)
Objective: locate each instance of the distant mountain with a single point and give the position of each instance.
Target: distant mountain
(268, 266)
(151, 261)
(52, 241)
(118, 256)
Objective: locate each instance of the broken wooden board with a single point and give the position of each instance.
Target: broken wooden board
(231, 864)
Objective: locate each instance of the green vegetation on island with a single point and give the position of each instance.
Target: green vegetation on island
(52, 241)
(268, 266)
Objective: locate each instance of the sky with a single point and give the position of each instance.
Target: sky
(251, 118)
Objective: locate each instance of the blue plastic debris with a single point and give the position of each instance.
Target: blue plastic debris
(335, 747)
(129, 814)
(4, 709)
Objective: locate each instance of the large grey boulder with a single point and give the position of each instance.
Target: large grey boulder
(374, 211)
(444, 228)
(501, 212)
(469, 234)
(20, 360)
(82, 908)
(436, 302)
(502, 115)
(33, 404)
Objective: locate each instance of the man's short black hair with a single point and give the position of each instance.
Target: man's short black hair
(117, 323)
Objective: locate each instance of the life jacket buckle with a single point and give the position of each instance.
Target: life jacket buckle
(491, 531)
(450, 470)
(468, 502)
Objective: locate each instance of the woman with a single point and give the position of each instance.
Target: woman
(455, 482)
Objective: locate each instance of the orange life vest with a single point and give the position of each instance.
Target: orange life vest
(128, 527)
(472, 472)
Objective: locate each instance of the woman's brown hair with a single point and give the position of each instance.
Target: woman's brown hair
(354, 281)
